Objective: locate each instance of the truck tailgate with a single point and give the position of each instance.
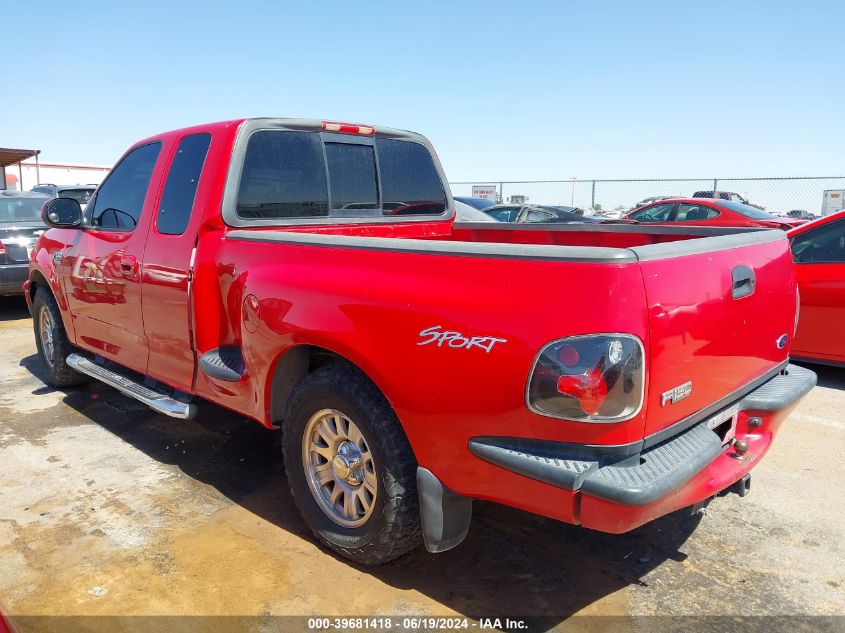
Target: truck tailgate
(719, 308)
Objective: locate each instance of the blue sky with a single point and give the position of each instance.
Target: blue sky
(508, 90)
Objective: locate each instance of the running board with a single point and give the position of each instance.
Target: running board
(153, 399)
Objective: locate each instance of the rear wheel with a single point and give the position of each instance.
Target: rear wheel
(350, 467)
(52, 342)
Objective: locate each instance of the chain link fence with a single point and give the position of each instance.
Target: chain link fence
(777, 195)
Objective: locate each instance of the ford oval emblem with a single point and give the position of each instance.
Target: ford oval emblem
(782, 341)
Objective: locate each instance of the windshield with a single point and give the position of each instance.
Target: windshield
(20, 209)
(744, 209)
(80, 195)
(504, 214)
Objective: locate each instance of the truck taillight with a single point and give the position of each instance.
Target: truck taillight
(348, 128)
(2, 252)
(797, 310)
(591, 378)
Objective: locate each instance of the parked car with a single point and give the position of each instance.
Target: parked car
(20, 225)
(80, 193)
(466, 213)
(475, 203)
(709, 212)
(520, 213)
(800, 214)
(646, 201)
(597, 374)
(819, 252)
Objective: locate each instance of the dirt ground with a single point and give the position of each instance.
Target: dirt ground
(109, 509)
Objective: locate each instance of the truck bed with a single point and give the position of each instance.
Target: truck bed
(560, 242)
(601, 235)
(678, 288)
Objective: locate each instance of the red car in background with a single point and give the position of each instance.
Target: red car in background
(709, 212)
(818, 249)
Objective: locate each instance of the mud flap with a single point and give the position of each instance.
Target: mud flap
(445, 514)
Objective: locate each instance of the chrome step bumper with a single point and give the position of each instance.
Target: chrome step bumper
(156, 401)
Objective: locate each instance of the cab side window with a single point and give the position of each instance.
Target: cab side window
(120, 199)
(538, 215)
(180, 189)
(825, 244)
(693, 212)
(656, 213)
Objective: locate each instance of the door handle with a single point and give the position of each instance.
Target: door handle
(744, 282)
(129, 264)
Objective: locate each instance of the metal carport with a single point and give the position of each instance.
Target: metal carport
(9, 156)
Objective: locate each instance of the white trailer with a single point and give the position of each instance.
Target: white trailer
(833, 201)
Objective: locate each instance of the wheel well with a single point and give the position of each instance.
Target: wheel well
(36, 281)
(293, 366)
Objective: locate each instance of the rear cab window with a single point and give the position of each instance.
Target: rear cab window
(286, 176)
(352, 176)
(81, 194)
(21, 209)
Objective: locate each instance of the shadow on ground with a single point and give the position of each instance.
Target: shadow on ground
(13, 309)
(831, 377)
(512, 563)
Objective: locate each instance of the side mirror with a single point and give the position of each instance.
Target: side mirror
(62, 213)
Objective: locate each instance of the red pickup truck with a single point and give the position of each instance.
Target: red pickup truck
(309, 275)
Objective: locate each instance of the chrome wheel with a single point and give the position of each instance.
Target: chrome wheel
(46, 326)
(339, 468)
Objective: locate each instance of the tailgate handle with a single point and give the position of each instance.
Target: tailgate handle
(744, 282)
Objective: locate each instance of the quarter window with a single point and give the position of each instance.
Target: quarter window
(120, 199)
(180, 189)
(693, 212)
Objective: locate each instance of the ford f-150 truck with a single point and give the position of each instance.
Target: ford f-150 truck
(309, 275)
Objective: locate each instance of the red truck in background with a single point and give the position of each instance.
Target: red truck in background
(309, 275)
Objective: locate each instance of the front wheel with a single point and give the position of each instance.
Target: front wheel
(52, 342)
(350, 467)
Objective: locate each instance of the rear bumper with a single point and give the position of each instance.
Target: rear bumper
(616, 493)
(12, 277)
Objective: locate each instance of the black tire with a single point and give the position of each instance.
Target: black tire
(394, 527)
(56, 371)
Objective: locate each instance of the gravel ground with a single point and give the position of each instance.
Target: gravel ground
(108, 509)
